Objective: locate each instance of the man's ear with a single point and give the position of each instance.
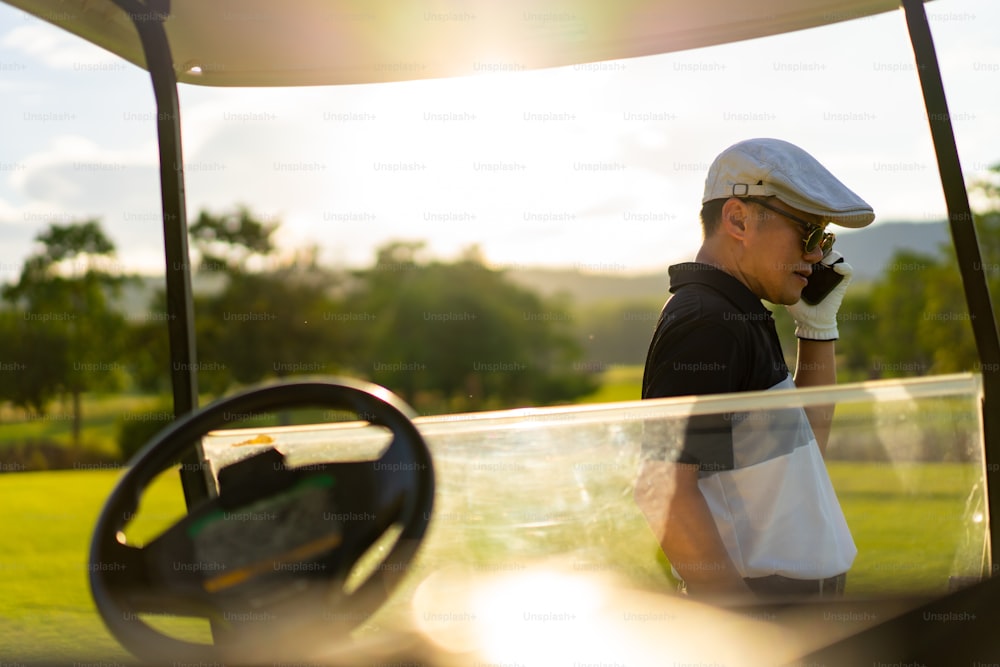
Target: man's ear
(734, 218)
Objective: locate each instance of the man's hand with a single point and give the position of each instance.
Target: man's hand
(669, 497)
(819, 322)
(816, 329)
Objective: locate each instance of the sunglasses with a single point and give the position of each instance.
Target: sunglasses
(814, 234)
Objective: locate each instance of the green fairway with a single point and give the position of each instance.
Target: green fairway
(101, 415)
(46, 611)
(618, 383)
(909, 524)
(907, 521)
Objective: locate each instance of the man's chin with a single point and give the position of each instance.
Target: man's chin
(788, 299)
(794, 296)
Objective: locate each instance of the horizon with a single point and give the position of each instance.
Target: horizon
(580, 269)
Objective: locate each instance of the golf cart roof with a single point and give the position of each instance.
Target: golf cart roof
(321, 42)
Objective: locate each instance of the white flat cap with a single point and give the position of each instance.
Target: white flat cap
(775, 168)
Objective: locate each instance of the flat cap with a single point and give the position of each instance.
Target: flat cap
(774, 168)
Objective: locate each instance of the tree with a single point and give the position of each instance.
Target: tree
(457, 336)
(900, 298)
(268, 324)
(617, 332)
(148, 345)
(953, 340)
(267, 319)
(71, 333)
(858, 322)
(914, 319)
(228, 241)
(34, 356)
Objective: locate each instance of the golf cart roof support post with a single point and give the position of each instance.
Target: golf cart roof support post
(970, 263)
(148, 20)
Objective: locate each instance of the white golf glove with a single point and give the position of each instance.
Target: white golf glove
(819, 322)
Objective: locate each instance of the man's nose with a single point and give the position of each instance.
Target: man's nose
(814, 255)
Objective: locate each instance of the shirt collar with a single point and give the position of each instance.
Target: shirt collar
(696, 273)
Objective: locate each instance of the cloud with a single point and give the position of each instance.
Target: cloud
(74, 173)
(74, 179)
(15, 242)
(56, 48)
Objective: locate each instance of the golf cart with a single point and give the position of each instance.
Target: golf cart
(507, 537)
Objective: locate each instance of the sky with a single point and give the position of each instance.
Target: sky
(596, 167)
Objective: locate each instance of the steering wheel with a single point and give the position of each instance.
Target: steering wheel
(266, 560)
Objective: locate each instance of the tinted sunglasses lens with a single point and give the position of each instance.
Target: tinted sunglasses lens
(823, 240)
(814, 239)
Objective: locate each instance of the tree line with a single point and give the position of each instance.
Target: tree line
(447, 336)
(913, 320)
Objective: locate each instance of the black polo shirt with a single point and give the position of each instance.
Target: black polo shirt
(761, 473)
(714, 336)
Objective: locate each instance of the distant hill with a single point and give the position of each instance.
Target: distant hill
(868, 250)
(586, 288)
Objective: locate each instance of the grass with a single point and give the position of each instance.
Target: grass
(46, 610)
(907, 521)
(101, 415)
(618, 383)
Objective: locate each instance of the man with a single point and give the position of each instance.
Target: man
(746, 505)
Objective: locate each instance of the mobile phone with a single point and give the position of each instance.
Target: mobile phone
(821, 282)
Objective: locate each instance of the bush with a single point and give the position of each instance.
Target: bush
(136, 429)
(34, 454)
